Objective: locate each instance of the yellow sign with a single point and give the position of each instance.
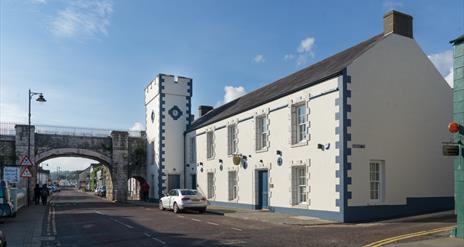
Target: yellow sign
(236, 159)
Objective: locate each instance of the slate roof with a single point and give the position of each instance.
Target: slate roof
(457, 40)
(321, 71)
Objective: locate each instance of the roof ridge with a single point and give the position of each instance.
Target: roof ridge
(324, 69)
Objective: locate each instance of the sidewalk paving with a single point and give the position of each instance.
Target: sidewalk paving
(26, 228)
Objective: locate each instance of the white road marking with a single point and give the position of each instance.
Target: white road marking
(126, 225)
(159, 240)
(54, 232)
(180, 216)
(147, 234)
(98, 212)
(233, 242)
(196, 220)
(237, 229)
(212, 223)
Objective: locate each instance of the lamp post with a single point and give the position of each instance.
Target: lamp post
(39, 99)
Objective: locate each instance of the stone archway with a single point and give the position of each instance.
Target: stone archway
(122, 153)
(72, 152)
(83, 153)
(134, 185)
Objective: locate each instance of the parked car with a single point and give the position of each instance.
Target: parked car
(180, 199)
(52, 188)
(2, 239)
(102, 191)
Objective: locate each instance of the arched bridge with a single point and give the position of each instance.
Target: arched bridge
(123, 152)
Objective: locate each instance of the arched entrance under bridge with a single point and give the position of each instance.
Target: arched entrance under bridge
(134, 188)
(123, 152)
(97, 174)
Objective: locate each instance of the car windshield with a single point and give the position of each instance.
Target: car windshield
(189, 192)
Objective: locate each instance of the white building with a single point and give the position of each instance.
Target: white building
(354, 137)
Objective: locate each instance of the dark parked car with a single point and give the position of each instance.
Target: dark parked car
(2, 240)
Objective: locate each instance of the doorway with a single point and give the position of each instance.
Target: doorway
(263, 190)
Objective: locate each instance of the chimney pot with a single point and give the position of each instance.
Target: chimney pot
(398, 23)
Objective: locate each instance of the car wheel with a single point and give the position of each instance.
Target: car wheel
(176, 208)
(161, 206)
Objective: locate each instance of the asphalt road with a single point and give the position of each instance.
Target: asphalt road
(80, 219)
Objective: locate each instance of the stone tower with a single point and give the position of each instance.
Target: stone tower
(168, 115)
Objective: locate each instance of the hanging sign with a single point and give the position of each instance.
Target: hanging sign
(26, 173)
(25, 161)
(11, 174)
(236, 159)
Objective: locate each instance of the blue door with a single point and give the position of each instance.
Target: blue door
(194, 181)
(263, 190)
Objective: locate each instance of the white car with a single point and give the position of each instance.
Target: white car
(180, 199)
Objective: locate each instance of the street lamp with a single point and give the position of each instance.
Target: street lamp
(39, 99)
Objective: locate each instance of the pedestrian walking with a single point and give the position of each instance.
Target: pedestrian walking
(145, 189)
(36, 194)
(44, 194)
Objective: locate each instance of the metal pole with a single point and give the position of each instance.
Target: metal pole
(29, 146)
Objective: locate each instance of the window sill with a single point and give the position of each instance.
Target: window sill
(375, 203)
(301, 205)
(300, 144)
(265, 149)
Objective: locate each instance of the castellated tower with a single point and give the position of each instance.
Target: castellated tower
(168, 115)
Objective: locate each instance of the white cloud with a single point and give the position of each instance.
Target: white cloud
(443, 61)
(11, 113)
(391, 5)
(305, 50)
(137, 126)
(306, 45)
(231, 93)
(449, 78)
(288, 57)
(259, 58)
(83, 19)
(39, 1)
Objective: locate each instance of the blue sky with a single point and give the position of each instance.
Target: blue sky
(92, 59)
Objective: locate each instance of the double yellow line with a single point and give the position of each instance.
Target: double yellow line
(406, 236)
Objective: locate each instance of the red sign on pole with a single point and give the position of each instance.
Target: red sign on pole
(25, 161)
(26, 173)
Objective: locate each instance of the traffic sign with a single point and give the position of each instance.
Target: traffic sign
(11, 174)
(25, 161)
(26, 173)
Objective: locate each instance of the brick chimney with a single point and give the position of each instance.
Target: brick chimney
(203, 109)
(398, 23)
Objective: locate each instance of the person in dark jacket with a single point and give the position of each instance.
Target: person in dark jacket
(36, 194)
(44, 194)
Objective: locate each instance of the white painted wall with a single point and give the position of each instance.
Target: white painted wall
(176, 91)
(401, 106)
(321, 164)
(152, 101)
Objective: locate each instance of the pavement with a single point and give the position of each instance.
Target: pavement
(26, 228)
(81, 219)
